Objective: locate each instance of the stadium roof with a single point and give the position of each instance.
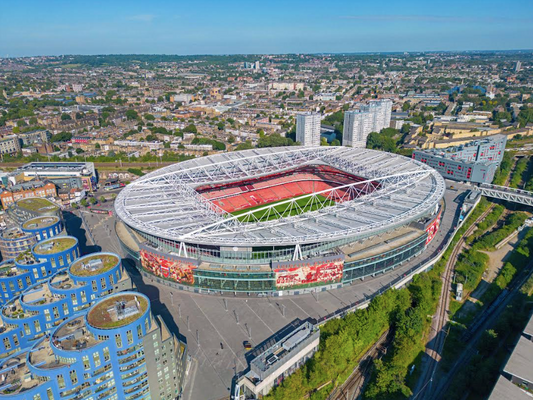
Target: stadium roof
(165, 203)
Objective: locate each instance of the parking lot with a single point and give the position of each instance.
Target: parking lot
(215, 327)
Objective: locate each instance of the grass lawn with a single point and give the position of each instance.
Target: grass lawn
(100, 317)
(59, 244)
(36, 204)
(285, 210)
(108, 262)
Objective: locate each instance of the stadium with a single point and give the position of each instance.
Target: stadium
(279, 220)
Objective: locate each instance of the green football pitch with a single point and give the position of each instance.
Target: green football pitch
(300, 206)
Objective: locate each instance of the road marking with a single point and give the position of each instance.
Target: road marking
(216, 330)
(268, 327)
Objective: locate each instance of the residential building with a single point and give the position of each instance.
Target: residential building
(475, 162)
(9, 144)
(357, 127)
(371, 117)
(27, 190)
(308, 129)
(73, 327)
(31, 138)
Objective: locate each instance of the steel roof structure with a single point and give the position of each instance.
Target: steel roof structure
(165, 203)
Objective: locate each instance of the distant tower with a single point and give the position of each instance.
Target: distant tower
(371, 117)
(518, 66)
(308, 129)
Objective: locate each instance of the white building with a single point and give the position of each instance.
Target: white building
(371, 117)
(308, 129)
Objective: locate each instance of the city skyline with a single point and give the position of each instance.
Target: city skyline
(237, 28)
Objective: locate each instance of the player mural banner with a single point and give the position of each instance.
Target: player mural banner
(179, 269)
(433, 228)
(312, 272)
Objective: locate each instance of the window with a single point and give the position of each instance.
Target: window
(86, 364)
(61, 261)
(56, 312)
(65, 309)
(129, 334)
(7, 343)
(118, 340)
(73, 377)
(16, 340)
(74, 299)
(47, 314)
(27, 329)
(95, 288)
(37, 326)
(139, 331)
(61, 381)
(96, 358)
(107, 356)
(49, 394)
(102, 283)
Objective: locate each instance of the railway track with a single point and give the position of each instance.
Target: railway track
(438, 335)
(353, 386)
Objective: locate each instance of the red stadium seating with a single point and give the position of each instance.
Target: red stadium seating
(247, 193)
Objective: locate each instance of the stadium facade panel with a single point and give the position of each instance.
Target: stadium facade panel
(280, 219)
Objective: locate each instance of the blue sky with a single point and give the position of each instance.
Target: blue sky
(50, 27)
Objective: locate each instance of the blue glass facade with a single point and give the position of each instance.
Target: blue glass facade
(106, 352)
(54, 343)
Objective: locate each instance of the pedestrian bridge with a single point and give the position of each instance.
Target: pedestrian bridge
(505, 193)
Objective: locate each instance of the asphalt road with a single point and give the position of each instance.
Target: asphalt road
(215, 327)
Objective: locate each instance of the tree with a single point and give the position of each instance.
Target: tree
(191, 128)
(221, 126)
(244, 146)
(80, 115)
(231, 139)
(274, 140)
(102, 199)
(92, 200)
(65, 117)
(97, 146)
(61, 137)
(149, 117)
(83, 202)
(131, 115)
(79, 151)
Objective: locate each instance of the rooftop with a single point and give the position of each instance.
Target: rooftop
(74, 335)
(26, 258)
(520, 364)
(274, 353)
(14, 233)
(40, 222)
(62, 281)
(37, 204)
(8, 268)
(43, 356)
(94, 264)
(116, 311)
(15, 376)
(506, 390)
(165, 203)
(55, 245)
